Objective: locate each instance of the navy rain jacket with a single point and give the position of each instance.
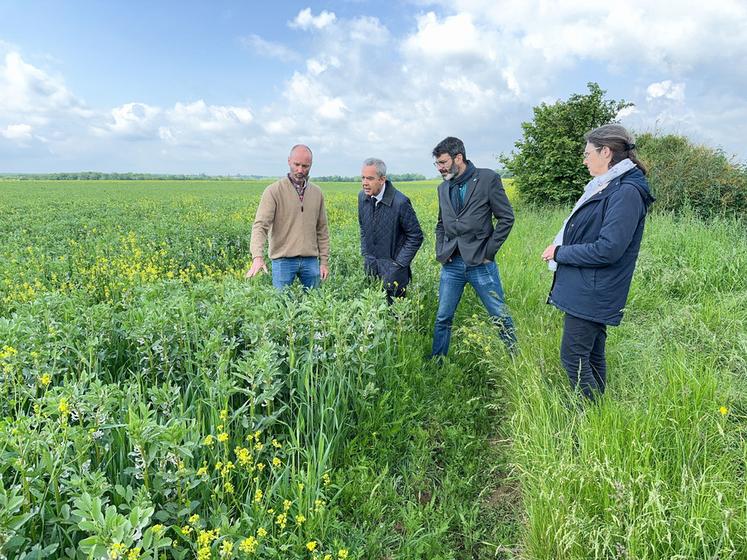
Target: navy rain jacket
(390, 235)
(599, 251)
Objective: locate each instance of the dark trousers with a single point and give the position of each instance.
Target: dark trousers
(582, 355)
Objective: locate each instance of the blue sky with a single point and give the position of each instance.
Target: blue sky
(228, 87)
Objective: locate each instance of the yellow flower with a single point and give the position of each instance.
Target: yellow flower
(260, 466)
(276, 462)
(311, 546)
(158, 529)
(300, 518)
(194, 519)
(45, 380)
(202, 471)
(218, 465)
(223, 437)
(228, 487)
(226, 548)
(226, 470)
(276, 444)
(243, 456)
(206, 537)
(186, 530)
(224, 415)
(209, 440)
(282, 520)
(117, 550)
(261, 532)
(326, 479)
(133, 554)
(287, 505)
(248, 545)
(342, 554)
(258, 496)
(723, 410)
(204, 553)
(63, 407)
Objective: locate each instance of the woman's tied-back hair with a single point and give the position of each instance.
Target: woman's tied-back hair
(618, 140)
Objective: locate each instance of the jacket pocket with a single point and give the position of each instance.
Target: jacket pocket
(589, 277)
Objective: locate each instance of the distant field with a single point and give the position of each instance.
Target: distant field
(157, 405)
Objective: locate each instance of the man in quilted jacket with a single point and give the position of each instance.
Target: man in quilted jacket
(390, 231)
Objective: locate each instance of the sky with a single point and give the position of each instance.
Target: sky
(227, 87)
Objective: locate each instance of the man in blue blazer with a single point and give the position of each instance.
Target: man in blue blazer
(467, 240)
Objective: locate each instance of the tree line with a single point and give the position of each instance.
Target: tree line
(130, 176)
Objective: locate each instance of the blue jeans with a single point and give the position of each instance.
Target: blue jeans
(486, 282)
(285, 270)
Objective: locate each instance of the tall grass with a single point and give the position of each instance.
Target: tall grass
(171, 380)
(656, 470)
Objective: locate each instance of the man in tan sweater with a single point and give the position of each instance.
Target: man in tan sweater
(292, 212)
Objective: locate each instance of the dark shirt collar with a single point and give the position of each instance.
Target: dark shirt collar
(298, 186)
(465, 176)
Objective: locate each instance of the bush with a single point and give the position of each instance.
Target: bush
(687, 177)
(548, 167)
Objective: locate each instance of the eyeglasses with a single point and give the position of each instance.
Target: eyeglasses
(445, 163)
(587, 154)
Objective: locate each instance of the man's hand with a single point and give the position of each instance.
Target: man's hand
(549, 253)
(323, 271)
(258, 265)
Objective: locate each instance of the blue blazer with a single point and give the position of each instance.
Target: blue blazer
(472, 229)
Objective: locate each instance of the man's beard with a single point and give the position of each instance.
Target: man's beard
(452, 172)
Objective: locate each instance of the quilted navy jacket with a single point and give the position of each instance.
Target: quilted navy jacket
(390, 234)
(599, 251)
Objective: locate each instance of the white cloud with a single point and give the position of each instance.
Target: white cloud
(666, 90)
(368, 30)
(20, 133)
(28, 90)
(213, 118)
(305, 19)
(451, 36)
(132, 120)
(626, 112)
(470, 68)
(280, 127)
(269, 48)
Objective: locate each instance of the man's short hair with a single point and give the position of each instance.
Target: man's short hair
(378, 164)
(450, 145)
(304, 146)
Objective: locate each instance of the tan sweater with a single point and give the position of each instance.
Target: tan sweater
(295, 229)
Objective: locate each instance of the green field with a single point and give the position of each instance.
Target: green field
(157, 405)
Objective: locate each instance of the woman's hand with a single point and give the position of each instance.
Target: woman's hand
(549, 253)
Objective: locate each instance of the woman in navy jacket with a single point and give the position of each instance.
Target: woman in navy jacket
(595, 252)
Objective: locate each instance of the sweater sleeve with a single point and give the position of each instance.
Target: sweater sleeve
(322, 234)
(263, 222)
